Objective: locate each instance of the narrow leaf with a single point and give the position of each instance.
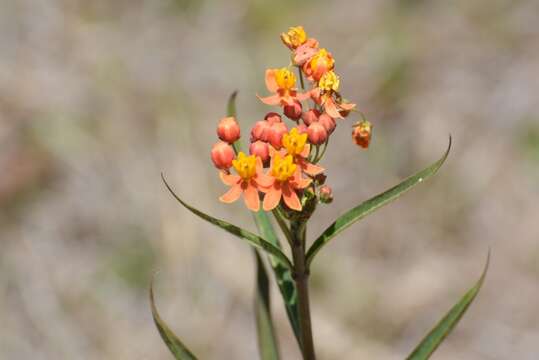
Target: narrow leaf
(438, 334)
(254, 240)
(176, 347)
(267, 341)
(367, 207)
(283, 275)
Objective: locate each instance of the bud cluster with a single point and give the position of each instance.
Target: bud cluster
(283, 160)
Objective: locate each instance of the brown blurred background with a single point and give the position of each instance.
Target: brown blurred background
(97, 97)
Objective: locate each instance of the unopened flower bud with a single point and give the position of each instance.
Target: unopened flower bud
(362, 133)
(326, 194)
(320, 179)
(222, 155)
(317, 133)
(260, 149)
(327, 122)
(228, 130)
(276, 132)
(302, 128)
(310, 116)
(273, 117)
(260, 131)
(293, 111)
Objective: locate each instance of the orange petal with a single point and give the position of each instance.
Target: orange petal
(311, 169)
(331, 109)
(270, 100)
(272, 197)
(271, 83)
(303, 96)
(347, 106)
(264, 181)
(306, 151)
(250, 196)
(229, 179)
(232, 195)
(291, 198)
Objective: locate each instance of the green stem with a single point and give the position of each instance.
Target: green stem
(301, 78)
(282, 224)
(301, 278)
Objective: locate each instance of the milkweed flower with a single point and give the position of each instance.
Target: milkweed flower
(261, 150)
(286, 179)
(249, 179)
(294, 37)
(362, 133)
(318, 65)
(295, 144)
(317, 133)
(328, 87)
(305, 52)
(282, 83)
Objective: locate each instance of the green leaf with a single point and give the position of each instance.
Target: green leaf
(267, 341)
(367, 207)
(282, 272)
(176, 347)
(254, 240)
(283, 275)
(438, 334)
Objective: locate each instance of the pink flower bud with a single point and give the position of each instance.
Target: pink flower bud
(276, 132)
(260, 149)
(302, 129)
(327, 122)
(326, 194)
(273, 117)
(222, 155)
(293, 111)
(260, 131)
(310, 116)
(317, 133)
(228, 130)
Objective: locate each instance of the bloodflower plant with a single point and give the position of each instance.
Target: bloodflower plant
(281, 177)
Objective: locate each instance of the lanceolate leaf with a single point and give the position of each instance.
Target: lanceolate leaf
(283, 275)
(267, 341)
(367, 207)
(438, 334)
(176, 347)
(282, 272)
(254, 240)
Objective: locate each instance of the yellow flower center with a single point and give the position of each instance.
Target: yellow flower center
(245, 166)
(285, 79)
(295, 36)
(283, 168)
(322, 58)
(294, 142)
(329, 81)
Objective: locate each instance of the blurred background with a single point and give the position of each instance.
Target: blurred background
(98, 97)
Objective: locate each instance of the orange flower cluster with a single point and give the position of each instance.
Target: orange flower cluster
(282, 162)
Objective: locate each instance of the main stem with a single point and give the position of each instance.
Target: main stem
(301, 277)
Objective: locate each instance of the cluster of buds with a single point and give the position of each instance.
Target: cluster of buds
(283, 160)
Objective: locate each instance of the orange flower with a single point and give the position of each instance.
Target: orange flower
(285, 180)
(328, 86)
(362, 133)
(296, 145)
(318, 65)
(294, 37)
(249, 179)
(305, 52)
(282, 82)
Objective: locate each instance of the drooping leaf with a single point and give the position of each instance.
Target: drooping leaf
(176, 347)
(283, 275)
(267, 341)
(438, 334)
(367, 207)
(252, 239)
